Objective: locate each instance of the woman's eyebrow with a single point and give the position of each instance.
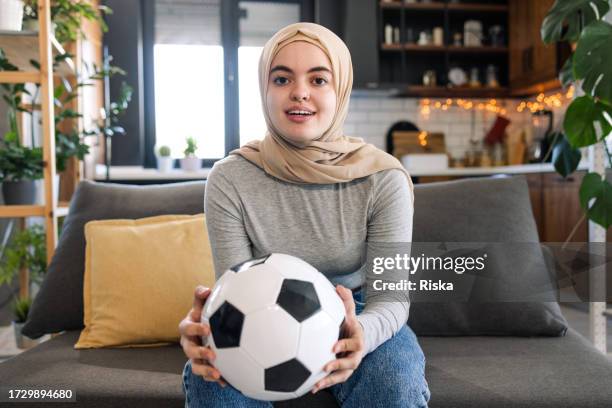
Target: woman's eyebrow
(289, 70)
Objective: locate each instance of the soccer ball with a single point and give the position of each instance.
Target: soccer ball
(274, 321)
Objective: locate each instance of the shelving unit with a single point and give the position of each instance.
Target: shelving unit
(402, 64)
(20, 47)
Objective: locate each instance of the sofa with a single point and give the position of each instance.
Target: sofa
(479, 357)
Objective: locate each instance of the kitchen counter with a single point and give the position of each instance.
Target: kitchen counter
(124, 173)
(483, 171)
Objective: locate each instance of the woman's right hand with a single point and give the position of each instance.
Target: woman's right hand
(192, 331)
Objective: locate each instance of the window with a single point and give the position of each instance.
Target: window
(188, 76)
(256, 27)
(193, 50)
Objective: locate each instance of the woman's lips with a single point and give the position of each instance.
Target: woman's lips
(299, 118)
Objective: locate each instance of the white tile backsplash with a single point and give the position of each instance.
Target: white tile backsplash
(370, 117)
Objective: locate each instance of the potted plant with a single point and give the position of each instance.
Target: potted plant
(164, 159)
(20, 168)
(66, 17)
(12, 15)
(191, 162)
(21, 308)
(27, 250)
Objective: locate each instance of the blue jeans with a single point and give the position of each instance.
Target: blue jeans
(391, 376)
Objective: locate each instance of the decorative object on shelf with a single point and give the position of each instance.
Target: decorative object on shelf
(20, 167)
(542, 124)
(474, 78)
(496, 36)
(472, 33)
(497, 132)
(457, 39)
(429, 78)
(492, 81)
(21, 309)
(191, 162)
(11, 15)
(165, 161)
(423, 38)
(485, 158)
(457, 76)
(498, 154)
(388, 34)
(409, 36)
(396, 35)
(438, 36)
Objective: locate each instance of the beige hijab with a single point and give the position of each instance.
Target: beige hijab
(333, 157)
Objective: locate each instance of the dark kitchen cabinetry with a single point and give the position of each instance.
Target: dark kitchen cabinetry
(405, 61)
(534, 66)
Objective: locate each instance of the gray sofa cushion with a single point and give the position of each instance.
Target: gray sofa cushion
(486, 210)
(59, 303)
(461, 372)
(111, 378)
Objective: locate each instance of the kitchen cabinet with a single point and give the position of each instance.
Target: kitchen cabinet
(555, 204)
(355, 22)
(534, 66)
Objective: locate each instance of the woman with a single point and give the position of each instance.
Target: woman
(309, 191)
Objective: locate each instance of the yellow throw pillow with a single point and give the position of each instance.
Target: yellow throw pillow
(140, 276)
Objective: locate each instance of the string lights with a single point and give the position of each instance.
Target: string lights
(492, 105)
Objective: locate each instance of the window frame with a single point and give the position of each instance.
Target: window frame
(230, 17)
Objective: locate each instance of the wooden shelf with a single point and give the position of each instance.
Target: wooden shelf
(14, 77)
(19, 211)
(22, 46)
(482, 49)
(424, 48)
(454, 92)
(16, 211)
(443, 48)
(440, 6)
(498, 8)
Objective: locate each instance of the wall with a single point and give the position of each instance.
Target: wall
(370, 117)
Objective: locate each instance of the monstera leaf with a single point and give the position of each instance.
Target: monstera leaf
(565, 158)
(595, 187)
(593, 60)
(576, 13)
(587, 121)
(566, 75)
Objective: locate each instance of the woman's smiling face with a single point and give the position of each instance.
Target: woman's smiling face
(301, 98)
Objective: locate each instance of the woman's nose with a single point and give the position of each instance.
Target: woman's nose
(300, 93)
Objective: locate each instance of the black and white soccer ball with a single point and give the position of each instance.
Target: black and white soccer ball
(274, 322)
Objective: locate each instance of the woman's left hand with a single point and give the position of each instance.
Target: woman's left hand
(349, 349)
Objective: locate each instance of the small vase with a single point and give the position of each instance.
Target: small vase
(165, 164)
(191, 163)
(22, 342)
(11, 16)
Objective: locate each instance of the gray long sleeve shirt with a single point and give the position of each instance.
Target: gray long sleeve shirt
(250, 213)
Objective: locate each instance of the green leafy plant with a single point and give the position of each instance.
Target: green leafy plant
(192, 147)
(66, 15)
(164, 151)
(18, 162)
(21, 309)
(588, 119)
(27, 249)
